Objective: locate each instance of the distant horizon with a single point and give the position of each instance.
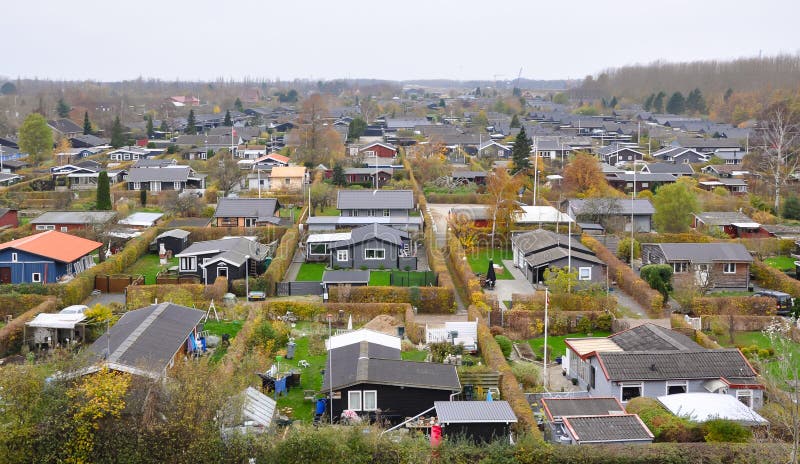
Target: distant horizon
(203, 40)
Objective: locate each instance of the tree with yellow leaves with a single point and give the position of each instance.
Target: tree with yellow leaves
(583, 177)
(63, 147)
(502, 189)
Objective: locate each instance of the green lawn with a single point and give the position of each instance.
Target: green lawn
(782, 263)
(222, 327)
(328, 211)
(310, 379)
(414, 355)
(311, 272)
(479, 262)
(379, 278)
(556, 346)
(731, 293)
(290, 212)
(149, 266)
(746, 339)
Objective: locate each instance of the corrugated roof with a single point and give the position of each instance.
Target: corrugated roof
(556, 408)
(650, 337)
(375, 199)
(674, 365)
(75, 217)
(605, 429)
(722, 218)
(258, 407)
(55, 245)
(234, 248)
(166, 174)
(461, 412)
(374, 231)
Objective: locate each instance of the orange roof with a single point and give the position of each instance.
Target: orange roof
(55, 245)
(288, 171)
(276, 156)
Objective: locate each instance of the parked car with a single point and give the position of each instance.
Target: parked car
(783, 301)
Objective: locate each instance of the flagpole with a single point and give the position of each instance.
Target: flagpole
(544, 361)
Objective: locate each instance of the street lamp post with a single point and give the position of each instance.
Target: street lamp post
(330, 365)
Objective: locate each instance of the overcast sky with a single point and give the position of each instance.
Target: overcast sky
(402, 39)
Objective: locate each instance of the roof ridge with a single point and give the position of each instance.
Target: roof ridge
(666, 337)
(136, 333)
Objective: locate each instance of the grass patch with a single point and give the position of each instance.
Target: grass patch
(757, 338)
(310, 379)
(149, 266)
(731, 293)
(311, 272)
(218, 328)
(328, 211)
(290, 212)
(379, 278)
(479, 261)
(556, 346)
(782, 263)
(414, 355)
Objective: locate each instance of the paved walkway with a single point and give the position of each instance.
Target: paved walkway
(297, 260)
(629, 306)
(503, 289)
(439, 213)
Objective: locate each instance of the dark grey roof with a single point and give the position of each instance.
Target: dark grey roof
(455, 412)
(177, 233)
(374, 231)
(696, 142)
(75, 217)
(556, 408)
(233, 249)
(261, 208)
(608, 429)
(171, 174)
(705, 252)
(375, 199)
(189, 222)
(722, 218)
(91, 140)
(642, 177)
(540, 239)
(613, 206)
(345, 277)
(65, 125)
(468, 174)
(147, 338)
(670, 168)
(153, 163)
(616, 148)
(651, 337)
(678, 365)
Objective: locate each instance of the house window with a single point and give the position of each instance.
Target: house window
(354, 400)
(342, 256)
(189, 263)
(729, 268)
(746, 397)
(370, 400)
(318, 249)
(369, 153)
(176, 185)
(46, 227)
(629, 391)
(287, 182)
(36, 277)
(222, 271)
(674, 388)
(680, 267)
(585, 273)
(249, 222)
(64, 228)
(374, 253)
(645, 185)
(137, 185)
(13, 257)
(386, 213)
(592, 376)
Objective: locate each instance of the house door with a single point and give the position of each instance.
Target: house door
(5, 275)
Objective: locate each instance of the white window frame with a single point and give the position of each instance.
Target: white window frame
(745, 394)
(14, 257)
(250, 222)
(631, 385)
(191, 263)
(383, 250)
(680, 267)
(386, 213)
(316, 244)
(374, 394)
(45, 227)
(726, 268)
(342, 256)
(137, 185)
(351, 403)
(176, 185)
(64, 229)
(221, 268)
(588, 270)
(676, 383)
(36, 277)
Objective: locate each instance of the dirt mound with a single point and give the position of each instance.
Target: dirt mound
(384, 324)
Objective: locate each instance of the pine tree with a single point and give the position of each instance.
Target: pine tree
(521, 152)
(658, 102)
(150, 130)
(143, 197)
(338, 175)
(648, 103)
(63, 108)
(441, 103)
(227, 122)
(190, 123)
(103, 192)
(163, 127)
(87, 125)
(478, 92)
(117, 137)
(695, 101)
(515, 121)
(676, 104)
(613, 102)
(238, 105)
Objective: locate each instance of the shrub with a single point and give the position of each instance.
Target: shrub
(769, 277)
(11, 334)
(665, 426)
(738, 305)
(528, 374)
(624, 250)
(432, 300)
(659, 277)
(505, 344)
(721, 430)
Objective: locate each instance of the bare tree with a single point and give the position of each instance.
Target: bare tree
(783, 382)
(226, 171)
(778, 137)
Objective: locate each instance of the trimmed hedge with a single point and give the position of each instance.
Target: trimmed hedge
(216, 290)
(427, 300)
(11, 334)
(461, 198)
(686, 237)
(462, 271)
(627, 280)
(16, 304)
(191, 295)
(769, 277)
(281, 261)
(564, 302)
(742, 305)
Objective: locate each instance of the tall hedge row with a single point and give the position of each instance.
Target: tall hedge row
(769, 277)
(11, 334)
(427, 300)
(627, 280)
(280, 261)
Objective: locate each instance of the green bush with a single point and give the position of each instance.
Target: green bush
(721, 430)
(505, 344)
(659, 277)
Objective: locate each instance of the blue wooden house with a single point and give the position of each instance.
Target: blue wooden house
(45, 258)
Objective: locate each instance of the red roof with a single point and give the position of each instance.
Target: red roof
(277, 157)
(55, 245)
